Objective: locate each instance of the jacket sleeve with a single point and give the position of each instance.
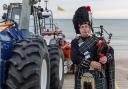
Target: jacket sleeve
(75, 57)
(110, 68)
(110, 54)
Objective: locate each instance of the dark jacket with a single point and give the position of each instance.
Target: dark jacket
(77, 56)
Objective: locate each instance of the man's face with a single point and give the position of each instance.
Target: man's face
(84, 30)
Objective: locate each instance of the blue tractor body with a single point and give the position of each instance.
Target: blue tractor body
(8, 37)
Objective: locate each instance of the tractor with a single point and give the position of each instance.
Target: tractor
(51, 31)
(27, 60)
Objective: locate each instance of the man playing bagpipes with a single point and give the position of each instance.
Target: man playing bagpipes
(92, 54)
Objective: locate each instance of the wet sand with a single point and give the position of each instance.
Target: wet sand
(121, 73)
(121, 69)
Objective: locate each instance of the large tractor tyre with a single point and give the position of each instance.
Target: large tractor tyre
(57, 68)
(29, 66)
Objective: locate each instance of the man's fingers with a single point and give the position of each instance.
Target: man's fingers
(103, 60)
(98, 65)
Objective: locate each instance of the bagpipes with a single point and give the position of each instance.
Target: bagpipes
(102, 44)
(103, 49)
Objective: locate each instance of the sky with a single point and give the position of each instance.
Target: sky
(101, 9)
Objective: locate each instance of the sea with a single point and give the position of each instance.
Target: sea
(118, 28)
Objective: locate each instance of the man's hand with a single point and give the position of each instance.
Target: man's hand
(103, 60)
(95, 65)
